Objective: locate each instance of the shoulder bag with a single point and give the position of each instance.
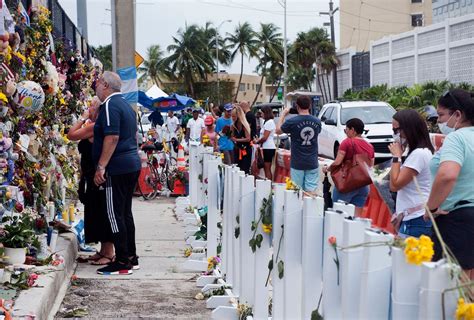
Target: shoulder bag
(352, 174)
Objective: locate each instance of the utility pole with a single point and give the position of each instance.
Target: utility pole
(123, 33)
(285, 58)
(217, 61)
(331, 13)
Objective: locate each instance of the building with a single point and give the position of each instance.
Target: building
(248, 87)
(443, 9)
(442, 51)
(362, 21)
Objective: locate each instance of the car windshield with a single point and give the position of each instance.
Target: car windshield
(369, 115)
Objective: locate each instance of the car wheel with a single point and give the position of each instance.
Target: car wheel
(336, 149)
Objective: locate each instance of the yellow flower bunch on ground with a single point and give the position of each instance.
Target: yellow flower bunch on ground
(465, 311)
(188, 252)
(212, 263)
(267, 228)
(290, 185)
(418, 250)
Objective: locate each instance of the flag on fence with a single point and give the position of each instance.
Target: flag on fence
(129, 83)
(24, 13)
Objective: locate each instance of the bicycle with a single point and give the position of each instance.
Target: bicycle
(156, 175)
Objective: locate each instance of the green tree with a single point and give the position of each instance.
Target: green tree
(189, 60)
(327, 61)
(243, 41)
(153, 66)
(104, 54)
(270, 44)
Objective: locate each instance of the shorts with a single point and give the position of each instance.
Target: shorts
(457, 230)
(305, 179)
(268, 155)
(357, 197)
(415, 228)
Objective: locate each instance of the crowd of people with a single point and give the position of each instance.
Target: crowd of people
(425, 181)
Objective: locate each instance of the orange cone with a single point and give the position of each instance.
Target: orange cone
(181, 162)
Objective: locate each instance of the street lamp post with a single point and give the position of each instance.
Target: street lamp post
(217, 61)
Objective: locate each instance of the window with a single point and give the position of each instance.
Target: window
(333, 115)
(463, 3)
(248, 86)
(253, 86)
(369, 115)
(242, 87)
(416, 20)
(257, 87)
(327, 114)
(417, 1)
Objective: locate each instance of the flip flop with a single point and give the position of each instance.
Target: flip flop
(98, 263)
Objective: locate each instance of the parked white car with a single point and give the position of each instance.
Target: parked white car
(377, 117)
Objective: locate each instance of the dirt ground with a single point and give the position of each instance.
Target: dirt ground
(158, 291)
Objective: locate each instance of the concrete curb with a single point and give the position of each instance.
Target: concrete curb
(40, 301)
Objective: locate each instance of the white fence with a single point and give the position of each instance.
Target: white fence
(442, 51)
(358, 282)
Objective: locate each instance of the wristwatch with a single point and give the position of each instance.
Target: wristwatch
(396, 160)
(99, 167)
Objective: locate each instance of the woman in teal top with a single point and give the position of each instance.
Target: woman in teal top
(452, 195)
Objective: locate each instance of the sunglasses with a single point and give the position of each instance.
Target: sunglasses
(456, 102)
(396, 130)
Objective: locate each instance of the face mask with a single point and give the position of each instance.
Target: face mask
(445, 129)
(400, 140)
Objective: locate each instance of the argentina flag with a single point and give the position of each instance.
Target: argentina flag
(128, 75)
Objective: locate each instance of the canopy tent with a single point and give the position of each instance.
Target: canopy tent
(173, 102)
(155, 92)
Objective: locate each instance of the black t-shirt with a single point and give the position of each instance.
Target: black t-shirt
(252, 120)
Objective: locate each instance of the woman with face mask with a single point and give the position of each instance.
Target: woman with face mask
(410, 133)
(451, 200)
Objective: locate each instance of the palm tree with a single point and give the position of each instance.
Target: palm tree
(104, 54)
(327, 60)
(153, 67)
(243, 41)
(189, 60)
(270, 45)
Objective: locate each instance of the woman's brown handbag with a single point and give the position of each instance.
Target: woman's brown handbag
(352, 174)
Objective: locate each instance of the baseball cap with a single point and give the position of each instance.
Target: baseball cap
(209, 120)
(228, 106)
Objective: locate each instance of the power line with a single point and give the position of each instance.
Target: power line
(358, 33)
(385, 9)
(375, 20)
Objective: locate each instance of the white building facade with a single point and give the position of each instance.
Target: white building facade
(444, 9)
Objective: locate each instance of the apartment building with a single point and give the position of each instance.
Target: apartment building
(362, 21)
(444, 9)
(248, 86)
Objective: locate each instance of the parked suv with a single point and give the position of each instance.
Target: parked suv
(377, 117)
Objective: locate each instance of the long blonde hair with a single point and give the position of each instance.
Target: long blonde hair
(237, 111)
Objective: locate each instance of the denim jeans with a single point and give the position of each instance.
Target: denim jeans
(415, 228)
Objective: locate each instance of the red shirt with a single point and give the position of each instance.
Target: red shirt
(357, 145)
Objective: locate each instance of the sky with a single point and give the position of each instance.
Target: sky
(157, 21)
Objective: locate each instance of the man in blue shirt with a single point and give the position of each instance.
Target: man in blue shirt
(118, 166)
(303, 130)
(223, 129)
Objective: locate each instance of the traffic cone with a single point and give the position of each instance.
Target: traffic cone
(181, 161)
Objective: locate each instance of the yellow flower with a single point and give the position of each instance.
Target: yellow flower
(19, 55)
(425, 241)
(61, 101)
(267, 228)
(418, 251)
(290, 185)
(3, 97)
(411, 242)
(464, 311)
(188, 251)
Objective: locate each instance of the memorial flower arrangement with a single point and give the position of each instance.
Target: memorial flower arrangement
(206, 141)
(418, 250)
(290, 185)
(212, 263)
(464, 311)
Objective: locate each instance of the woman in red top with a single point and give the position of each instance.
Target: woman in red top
(354, 144)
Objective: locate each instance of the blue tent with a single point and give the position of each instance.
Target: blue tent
(173, 102)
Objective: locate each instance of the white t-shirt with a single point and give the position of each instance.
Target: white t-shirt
(270, 142)
(172, 124)
(409, 196)
(195, 128)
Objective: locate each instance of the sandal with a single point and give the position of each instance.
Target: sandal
(103, 260)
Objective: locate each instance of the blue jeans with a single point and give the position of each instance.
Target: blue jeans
(415, 228)
(306, 179)
(356, 197)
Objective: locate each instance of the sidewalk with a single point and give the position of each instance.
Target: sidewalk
(158, 290)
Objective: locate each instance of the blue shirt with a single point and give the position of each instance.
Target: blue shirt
(303, 130)
(225, 144)
(458, 147)
(116, 117)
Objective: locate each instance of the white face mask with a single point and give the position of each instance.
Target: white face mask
(445, 129)
(400, 140)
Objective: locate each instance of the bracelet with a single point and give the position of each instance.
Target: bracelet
(99, 167)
